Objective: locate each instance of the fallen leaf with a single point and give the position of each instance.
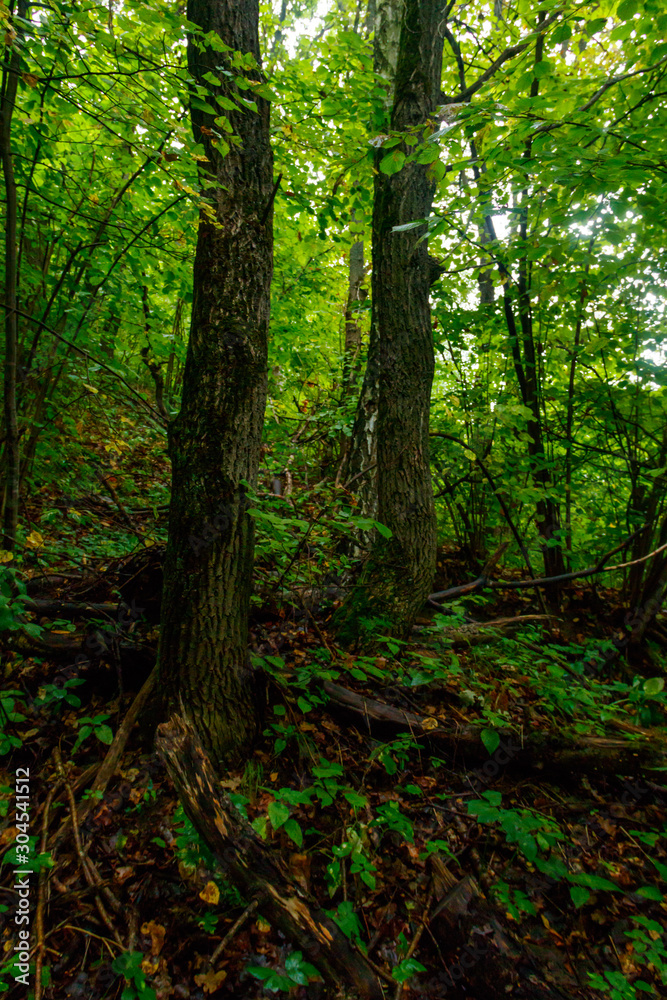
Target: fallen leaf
(156, 932)
(123, 873)
(35, 540)
(211, 981)
(210, 894)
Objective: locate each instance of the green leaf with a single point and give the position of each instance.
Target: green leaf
(356, 800)
(653, 686)
(593, 881)
(278, 814)
(491, 740)
(650, 892)
(406, 969)
(406, 227)
(627, 9)
(662, 869)
(393, 162)
(293, 830)
(104, 734)
(429, 155)
(579, 895)
(383, 529)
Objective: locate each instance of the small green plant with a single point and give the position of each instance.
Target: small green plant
(346, 917)
(193, 853)
(529, 830)
(12, 598)
(54, 696)
(128, 965)
(353, 847)
(617, 986)
(296, 972)
(395, 755)
(208, 922)
(406, 970)
(8, 715)
(95, 724)
(513, 901)
(390, 816)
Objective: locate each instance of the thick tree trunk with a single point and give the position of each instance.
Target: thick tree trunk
(12, 446)
(397, 577)
(214, 442)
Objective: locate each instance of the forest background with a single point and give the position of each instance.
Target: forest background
(545, 153)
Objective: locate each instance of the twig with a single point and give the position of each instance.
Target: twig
(271, 200)
(90, 873)
(110, 762)
(249, 910)
(379, 971)
(599, 567)
(363, 472)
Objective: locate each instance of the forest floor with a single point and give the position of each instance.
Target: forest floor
(503, 833)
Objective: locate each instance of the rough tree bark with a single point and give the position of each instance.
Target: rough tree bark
(360, 460)
(397, 576)
(214, 443)
(10, 79)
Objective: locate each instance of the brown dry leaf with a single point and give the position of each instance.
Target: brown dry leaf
(231, 783)
(210, 894)
(299, 866)
(123, 873)
(430, 723)
(150, 965)
(156, 932)
(211, 981)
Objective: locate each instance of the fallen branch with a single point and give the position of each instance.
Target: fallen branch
(536, 752)
(247, 913)
(259, 873)
(111, 760)
(599, 567)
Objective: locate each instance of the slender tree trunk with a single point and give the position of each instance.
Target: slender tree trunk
(214, 442)
(399, 572)
(384, 19)
(12, 445)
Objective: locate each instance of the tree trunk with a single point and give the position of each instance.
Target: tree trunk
(12, 448)
(397, 577)
(360, 459)
(214, 443)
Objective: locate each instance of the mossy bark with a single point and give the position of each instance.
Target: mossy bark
(214, 443)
